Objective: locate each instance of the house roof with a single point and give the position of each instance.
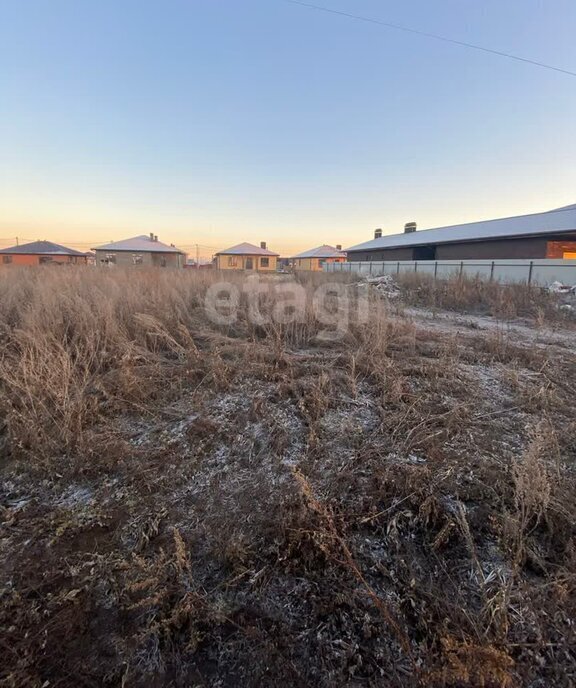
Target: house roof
(142, 244)
(556, 221)
(246, 249)
(42, 248)
(324, 251)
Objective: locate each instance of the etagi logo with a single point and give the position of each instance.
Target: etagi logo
(333, 305)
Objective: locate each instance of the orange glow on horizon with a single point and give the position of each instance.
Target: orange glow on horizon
(85, 230)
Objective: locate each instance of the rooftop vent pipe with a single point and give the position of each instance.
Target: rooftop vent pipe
(338, 247)
(378, 234)
(410, 228)
(262, 244)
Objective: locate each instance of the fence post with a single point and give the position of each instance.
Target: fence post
(370, 267)
(398, 268)
(530, 272)
(435, 269)
(461, 268)
(415, 266)
(492, 271)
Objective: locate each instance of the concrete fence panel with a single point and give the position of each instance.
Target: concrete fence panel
(542, 271)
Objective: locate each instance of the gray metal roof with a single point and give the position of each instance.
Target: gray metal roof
(142, 244)
(246, 249)
(552, 222)
(46, 248)
(324, 251)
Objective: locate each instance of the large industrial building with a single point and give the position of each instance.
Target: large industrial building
(542, 235)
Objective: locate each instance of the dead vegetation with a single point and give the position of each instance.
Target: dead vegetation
(185, 503)
(474, 295)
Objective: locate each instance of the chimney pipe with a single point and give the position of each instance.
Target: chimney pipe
(151, 236)
(262, 244)
(409, 227)
(378, 234)
(338, 247)
(155, 237)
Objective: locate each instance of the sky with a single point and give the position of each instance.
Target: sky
(214, 122)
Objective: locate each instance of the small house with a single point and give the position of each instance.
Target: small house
(143, 250)
(316, 258)
(41, 253)
(247, 257)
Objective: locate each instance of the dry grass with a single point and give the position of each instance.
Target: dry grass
(474, 295)
(185, 503)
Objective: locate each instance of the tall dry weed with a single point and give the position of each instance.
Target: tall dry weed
(477, 295)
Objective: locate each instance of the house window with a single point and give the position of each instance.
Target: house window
(6, 260)
(232, 261)
(110, 258)
(137, 258)
(45, 259)
(264, 262)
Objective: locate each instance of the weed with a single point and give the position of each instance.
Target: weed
(191, 502)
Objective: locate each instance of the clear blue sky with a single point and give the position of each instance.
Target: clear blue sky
(220, 121)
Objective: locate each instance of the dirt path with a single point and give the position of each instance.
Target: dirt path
(519, 331)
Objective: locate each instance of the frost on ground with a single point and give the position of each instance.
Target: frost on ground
(395, 508)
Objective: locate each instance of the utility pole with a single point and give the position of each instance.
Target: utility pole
(197, 257)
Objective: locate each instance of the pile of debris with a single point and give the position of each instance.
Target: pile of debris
(567, 296)
(560, 288)
(384, 285)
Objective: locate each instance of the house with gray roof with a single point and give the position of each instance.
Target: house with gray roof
(315, 258)
(551, 234)
(41, 253)
(140, 250)
(248, 257)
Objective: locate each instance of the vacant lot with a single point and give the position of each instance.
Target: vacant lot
(186, 503)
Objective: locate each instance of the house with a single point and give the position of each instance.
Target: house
(550, 234)
(41, 253)
(140, 250)
(247, 257)
(316, 258)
